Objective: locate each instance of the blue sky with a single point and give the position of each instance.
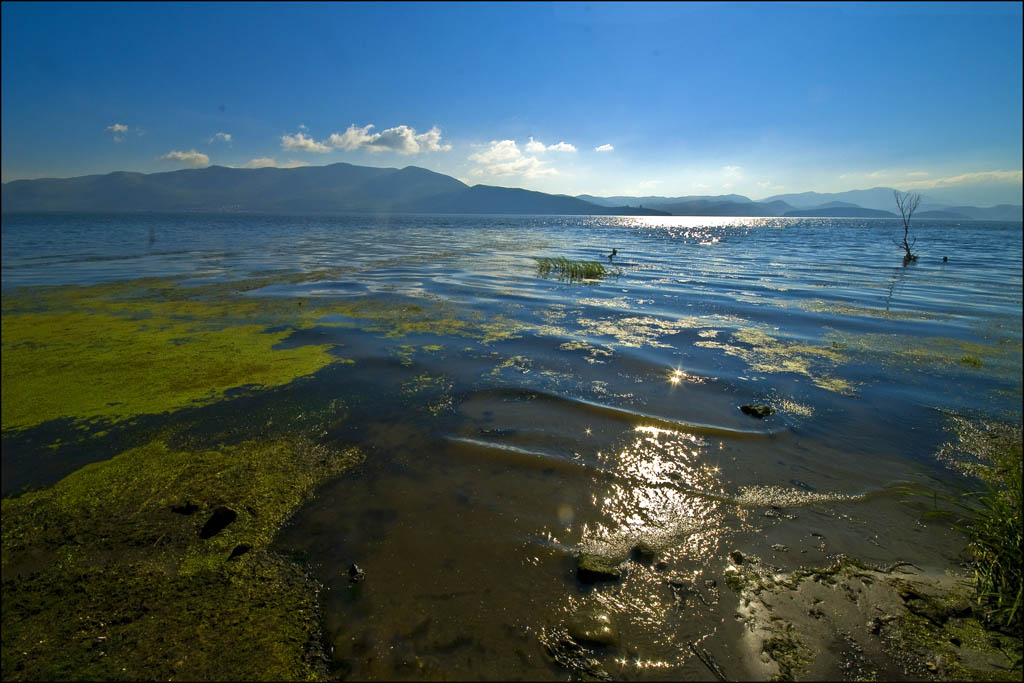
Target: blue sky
(601, 98)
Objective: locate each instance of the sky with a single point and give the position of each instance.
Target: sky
(667, 99)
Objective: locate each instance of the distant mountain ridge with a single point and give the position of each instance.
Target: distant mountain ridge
(335, 188)
(874, 203)
(342, 187)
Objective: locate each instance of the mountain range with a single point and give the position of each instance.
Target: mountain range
(341, 187)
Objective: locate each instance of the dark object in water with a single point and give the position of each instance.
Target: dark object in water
(240, 549)
(220, 518)
(187, 509)
(593, 627)
(355, 573)
(612, 255)
(591, 567)
(759, 412)
(945, 259)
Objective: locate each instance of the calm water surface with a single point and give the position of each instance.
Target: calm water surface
(609, 423)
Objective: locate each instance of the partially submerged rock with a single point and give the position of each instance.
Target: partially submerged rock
(593, 626)
(760, 412)
(592, 567)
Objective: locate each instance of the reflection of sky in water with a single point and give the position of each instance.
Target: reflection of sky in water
(656, 493)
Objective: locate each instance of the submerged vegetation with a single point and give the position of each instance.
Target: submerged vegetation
(990, 517)
(155, 565)
(573, 270)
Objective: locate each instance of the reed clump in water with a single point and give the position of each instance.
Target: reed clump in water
(573, 270)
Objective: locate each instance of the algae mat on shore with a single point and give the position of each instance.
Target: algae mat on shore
(155, 565)
(90, 352)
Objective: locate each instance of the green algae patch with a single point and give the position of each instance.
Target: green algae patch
(89, 366)
(765, 353)
(999, 359)
(118, 571)
(112, 352)
(119, 350)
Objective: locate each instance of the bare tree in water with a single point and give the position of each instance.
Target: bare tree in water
(907, 203)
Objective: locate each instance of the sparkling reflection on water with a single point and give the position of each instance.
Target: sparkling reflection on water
(608, 423)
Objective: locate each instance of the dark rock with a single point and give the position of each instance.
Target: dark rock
(759, 412)
(736, 556)
(593, 626)
(592, 567)
(643, 552)
(355, 573)
(240, 549)
(187, 509)
(220, 518)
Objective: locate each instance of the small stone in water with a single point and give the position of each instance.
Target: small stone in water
(594, 567)
(355, 573)
(593, 626)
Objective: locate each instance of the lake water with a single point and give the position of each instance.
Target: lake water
(606, 417)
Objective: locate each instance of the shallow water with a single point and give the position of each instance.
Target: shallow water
(600, 416)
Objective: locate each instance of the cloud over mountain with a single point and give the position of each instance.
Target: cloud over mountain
(401, 139)
(504, 158)
(191, 158)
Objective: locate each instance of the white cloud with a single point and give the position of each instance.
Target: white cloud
(536, 147)
(192, 158)
(268, 162)
(604, 148)
(965, 178)
(220, 137)
(401, 139)
(918, 180)
(504, 150)
(733, 172)
(118, 129)
(504, 157)
(301, 142)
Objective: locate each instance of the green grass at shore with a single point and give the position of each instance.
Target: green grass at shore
(990, 517)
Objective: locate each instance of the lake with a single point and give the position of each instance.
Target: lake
(511, 421)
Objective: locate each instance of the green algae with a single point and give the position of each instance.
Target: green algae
(93, 365)
(765, 353)
(998, 359)
(118, 350)
(106, 574)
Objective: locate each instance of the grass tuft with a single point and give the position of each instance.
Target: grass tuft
(572, 270)
(990, 518)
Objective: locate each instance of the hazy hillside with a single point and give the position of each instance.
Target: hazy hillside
(311, 189)
(338, 188)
